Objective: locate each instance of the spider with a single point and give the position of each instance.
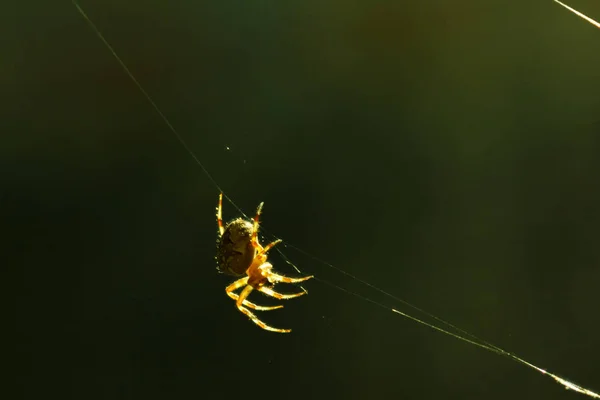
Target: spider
(240, 253)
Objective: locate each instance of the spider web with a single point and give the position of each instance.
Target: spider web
(438, 324)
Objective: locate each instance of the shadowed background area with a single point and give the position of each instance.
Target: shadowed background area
(445, 152)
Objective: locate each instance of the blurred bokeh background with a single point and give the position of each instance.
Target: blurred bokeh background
(445, 152)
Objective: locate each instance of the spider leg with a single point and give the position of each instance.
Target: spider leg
(238, 284)
(273, 278)
(239, 303)
(277, 295)
(254, 237)
(253, 306)
(269, 246)
(219, 214)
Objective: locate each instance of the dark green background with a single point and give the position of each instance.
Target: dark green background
(447, 152)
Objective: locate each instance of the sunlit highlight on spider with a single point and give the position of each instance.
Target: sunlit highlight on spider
(240, 253)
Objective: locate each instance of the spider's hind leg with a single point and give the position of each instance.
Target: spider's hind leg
(220, 215)
(255, 224)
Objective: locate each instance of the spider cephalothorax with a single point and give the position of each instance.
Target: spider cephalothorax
(240, 253)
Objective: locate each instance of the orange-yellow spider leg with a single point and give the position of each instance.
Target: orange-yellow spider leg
(219, 214)
(268, 247)
(238, 284)
(281, 296)
(254, 237)
(251, 305)
(254, 318)
(273, 277)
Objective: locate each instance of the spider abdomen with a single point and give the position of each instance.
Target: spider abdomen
(235, 252)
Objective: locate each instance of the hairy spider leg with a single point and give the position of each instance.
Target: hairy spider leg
(219, 214)
(266, 270)
(263, 250)
(280, 296)
(275, 278)
(249, 314)
(254, 238)
(238, 284)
